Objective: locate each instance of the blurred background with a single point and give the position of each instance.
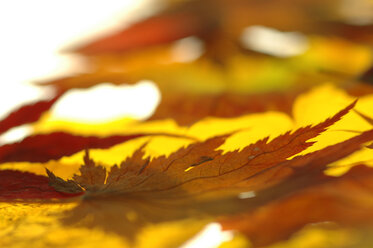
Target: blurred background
(34, 37)
(35, 34)
(138, 54)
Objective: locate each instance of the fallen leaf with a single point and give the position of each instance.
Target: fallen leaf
(17, 185)
(26, 114)
(201, 181)
(184, 166)
(45, 147)
(326, 201)
(203, 156)
(188, 109)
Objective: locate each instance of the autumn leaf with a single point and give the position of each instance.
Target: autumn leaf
(322, 197)
(133, 54)
(327, 202)
(251, 135)
(45, 147)
(16, 185)
(26, 114)
(189, 18)
(188, 109)
(157, 30)
(261, 154)
(201, 180)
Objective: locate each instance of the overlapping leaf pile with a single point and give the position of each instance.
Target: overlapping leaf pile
(254, 142)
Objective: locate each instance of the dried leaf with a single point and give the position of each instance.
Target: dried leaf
(240, 172)
(203, 181)
(185, 168)
(17, 185)
(93, 174)
(62, 186)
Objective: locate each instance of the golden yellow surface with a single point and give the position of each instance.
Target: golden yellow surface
(37, 225)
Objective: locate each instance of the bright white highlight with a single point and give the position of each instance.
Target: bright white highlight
(106, 102)
(13, 96)
(273, 42)
(211, 236)
(34, 32)
(187, 49)
(15, 134)
(245, 195)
